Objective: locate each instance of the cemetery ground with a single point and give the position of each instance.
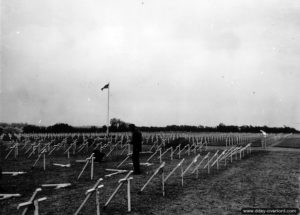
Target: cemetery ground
(268, 179)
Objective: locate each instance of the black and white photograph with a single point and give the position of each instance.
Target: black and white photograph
(150, 107)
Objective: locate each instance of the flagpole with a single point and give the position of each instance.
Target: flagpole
(107, 130)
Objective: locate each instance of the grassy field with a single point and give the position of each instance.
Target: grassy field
(262, 179)
(290, 142)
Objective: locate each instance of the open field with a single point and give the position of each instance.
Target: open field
(260, 179)
(290, 142)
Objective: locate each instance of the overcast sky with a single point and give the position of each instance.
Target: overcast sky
(167, 61)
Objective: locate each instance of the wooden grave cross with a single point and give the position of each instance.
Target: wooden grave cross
(115, 172)
(8, 196)
(159, 169)
(88, 194)
(42, 153)
(174, 169)
(196, 169)
(127, 179)
(209, 161)
(87, 161)
(33, 201)
(188, 167)
(15, 149)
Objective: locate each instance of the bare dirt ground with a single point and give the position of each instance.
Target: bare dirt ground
(262, 179)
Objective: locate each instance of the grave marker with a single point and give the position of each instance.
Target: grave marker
(62, 165)
(57, 186)
(8, 196)
(87, 161)
(160, 168)
(121, 182)
(188, 167)
(32, 201)
(13, 173)
(199, 164)
(88, 194)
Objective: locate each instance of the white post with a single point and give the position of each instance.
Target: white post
(208, 166)
(92, 166)
(181, 168)
(44, 161)
(163, 181)
(107, 130)
(16, 150)
(36, 207)
(98, 200)
(128, 195)
(160, 155)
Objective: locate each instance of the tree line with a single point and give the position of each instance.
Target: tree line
(117, 125)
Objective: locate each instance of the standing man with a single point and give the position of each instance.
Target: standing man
(136, 141)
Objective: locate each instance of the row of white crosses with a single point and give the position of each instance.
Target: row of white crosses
(207, 162)
(40, 153)
(37, 146)
(194, 147)
(215, 159)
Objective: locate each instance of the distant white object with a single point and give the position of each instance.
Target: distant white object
(13, 173)
(143, 164)
(80, 161)
(264, 133)
(7, 196)
(115, 172)
(57, 186)
(62, 165)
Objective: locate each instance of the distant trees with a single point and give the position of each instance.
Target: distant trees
(62, 128)
(117, 125)
(220, 128)
(33, 129)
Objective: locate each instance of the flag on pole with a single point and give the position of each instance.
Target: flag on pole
(105, 87)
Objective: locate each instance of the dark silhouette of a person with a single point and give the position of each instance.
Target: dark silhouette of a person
(136, 142)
